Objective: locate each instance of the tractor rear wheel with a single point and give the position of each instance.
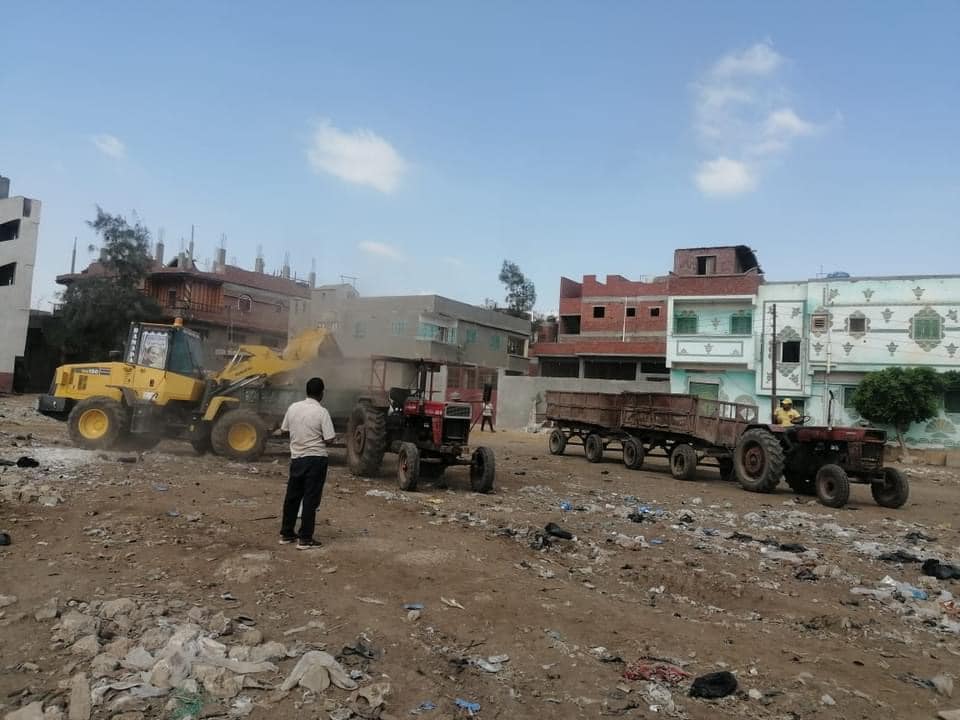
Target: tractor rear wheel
(408, 466)
(557, 442)
(728, 472)
(633, 454)
(483, 470)
(683, 462)
(97, 423)
(833, 486)
(239, 435)
(593, 448)
(894, 491)
(366, 439)
(759, 460)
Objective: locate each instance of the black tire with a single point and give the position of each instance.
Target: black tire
(202, 445)
(557, 442)
(683, 462)
(432, 470)
(633, 454)
(593, 448)
(894, 491)
(97, 423)
(728, 472)
(758, 459)
(239, 435)
(483, 470)
(366, 439)
(408, 466)
(833, 486)
(800, 483)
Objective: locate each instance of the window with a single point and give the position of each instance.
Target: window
(470, 335)
(9, 230)
(926, 327)
(818, 322)
(359, 331)
(515, 346)
(848, 392)
(559, 367)
(495, 342)
(437, 333)
(710, 391)
(399, 327)
(706, 265)
(951, 401)
(610, 369)
(599, 311)
(856, 325)
(171, 298)
(790, 351)
(631, 312)
(8, 274)
(741, 324)
(569, 324)
(245, 303)
(654, 312)
(685, 325)
(654, 366)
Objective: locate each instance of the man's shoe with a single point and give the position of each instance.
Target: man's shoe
(287, 540)
(307, 544)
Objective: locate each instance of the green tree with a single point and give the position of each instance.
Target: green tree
(521, 294)
(899, 397)
(97, 310)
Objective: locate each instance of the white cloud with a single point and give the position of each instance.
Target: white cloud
(110, 145)
(724, 176)
(759, 59)
(358, 156)
(379, 249)
(741, 119)
(455, 261)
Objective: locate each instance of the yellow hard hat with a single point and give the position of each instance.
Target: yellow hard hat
(787, 401)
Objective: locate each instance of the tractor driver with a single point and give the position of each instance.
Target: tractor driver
(786, 415)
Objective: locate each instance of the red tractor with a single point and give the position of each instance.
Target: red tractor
(821, 461)
(428, 436)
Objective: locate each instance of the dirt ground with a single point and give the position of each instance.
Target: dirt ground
(174, 531)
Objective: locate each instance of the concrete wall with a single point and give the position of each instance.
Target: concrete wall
(519, 397)
(18, 250)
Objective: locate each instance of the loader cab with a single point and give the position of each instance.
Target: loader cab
(169, 348)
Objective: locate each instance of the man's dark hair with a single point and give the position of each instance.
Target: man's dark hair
(315, 388)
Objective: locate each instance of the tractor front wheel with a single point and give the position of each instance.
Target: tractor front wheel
(557, 442)
(759, 460)
(833, 486)
(239, 435)
(894, 491)
(366, 439)
(683, 462)
(408, 466)
(97, 423)
(633, 454)
(483, 470)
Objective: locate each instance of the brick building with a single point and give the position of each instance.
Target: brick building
(617, 329)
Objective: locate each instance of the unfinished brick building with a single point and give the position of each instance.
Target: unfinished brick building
(617, 329)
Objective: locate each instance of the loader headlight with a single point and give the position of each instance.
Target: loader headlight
(147, 395)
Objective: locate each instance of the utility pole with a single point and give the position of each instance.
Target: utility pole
(773, 364)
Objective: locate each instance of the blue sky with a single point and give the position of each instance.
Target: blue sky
(416, 145)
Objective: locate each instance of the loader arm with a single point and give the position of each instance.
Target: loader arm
(250, 360)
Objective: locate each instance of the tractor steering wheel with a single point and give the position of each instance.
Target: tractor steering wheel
(802, 420)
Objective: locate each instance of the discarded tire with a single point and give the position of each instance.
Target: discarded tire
(833, 486)
(759, 460)
(714, 685)
(894, 491)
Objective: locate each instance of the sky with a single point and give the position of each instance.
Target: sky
(416, 145)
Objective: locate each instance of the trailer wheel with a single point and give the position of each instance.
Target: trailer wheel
(633, 454)
(483, 470)
(683, 462)
(239, 434)
(894, 491)
(833, 486)
(97, 423)
(759, 460)
(557, 442)
(366, 439)
(408, 466)
(593, 448)
(728, 472)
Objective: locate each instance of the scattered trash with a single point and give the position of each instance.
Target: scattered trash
(899, 556)
(452, 603)
(472, 708)
(941, 571)
(228, 596)
(316, 671)
(807, 574)
(5, 539)
(714, 685)
(943, 684)
(906, 590)
(413, 606)
(656, 541)
(792, 547)
(127, 459)
(827, 700)
(160, 487)
(371, 601)
(556, 531)
(566, 506)
(423, 707)
(27, 462)
(916, 535)
(644, 669)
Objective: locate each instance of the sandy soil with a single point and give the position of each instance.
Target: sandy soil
(179, 530)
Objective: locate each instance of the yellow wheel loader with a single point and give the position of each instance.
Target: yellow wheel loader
(160, 390)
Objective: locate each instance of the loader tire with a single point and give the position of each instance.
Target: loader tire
(239, 435)
(366, 440)
(758, 460)
(97, 423)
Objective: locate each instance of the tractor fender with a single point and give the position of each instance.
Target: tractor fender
(216, 405)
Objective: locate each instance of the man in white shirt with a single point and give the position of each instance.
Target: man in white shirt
(487, 416)
(310, 428)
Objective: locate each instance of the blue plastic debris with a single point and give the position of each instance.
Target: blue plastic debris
(413, 606)
(656, 541)
(566, 506)
(470, 707)
(425, 707)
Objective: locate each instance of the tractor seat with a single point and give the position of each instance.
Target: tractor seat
(398, 396)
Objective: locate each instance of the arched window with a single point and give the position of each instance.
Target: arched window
(245, 303)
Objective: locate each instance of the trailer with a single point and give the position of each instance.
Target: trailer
(684, 428)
